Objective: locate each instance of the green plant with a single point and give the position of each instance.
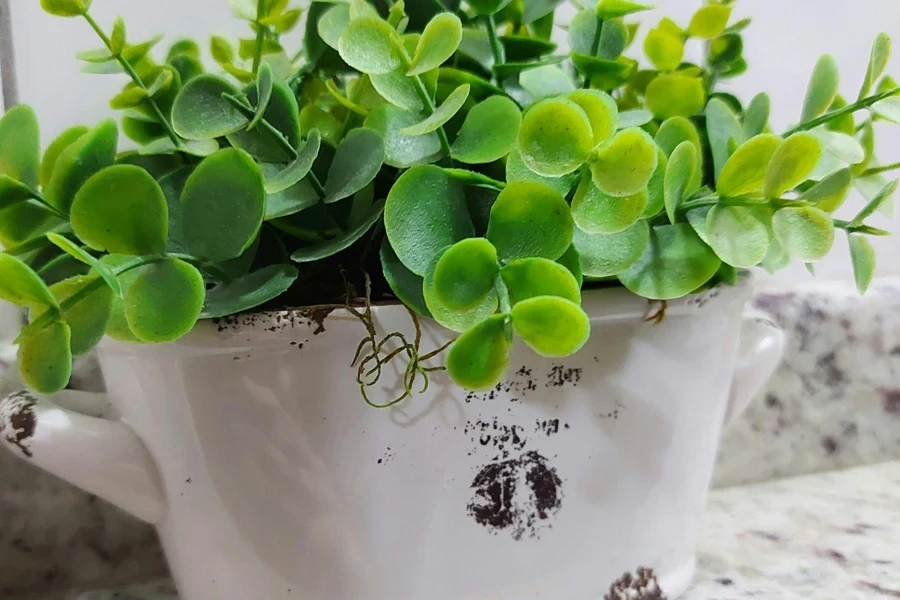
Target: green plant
(496, 176)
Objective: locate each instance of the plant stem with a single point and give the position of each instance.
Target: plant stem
(850, 108)
(879, 170)
(496, 46)
(595, 49)
(717, 201)
(502, 295)
(261, 31)
(863, 229)
(137, 81)
(427, 101)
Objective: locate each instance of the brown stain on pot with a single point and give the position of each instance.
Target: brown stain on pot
(639, 586)
(18, 421)
(318, 315)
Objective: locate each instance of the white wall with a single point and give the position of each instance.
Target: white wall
(782, 46)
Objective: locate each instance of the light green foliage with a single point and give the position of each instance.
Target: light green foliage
(624, 166)
(465, 274)
(607, 255)
(20, 146)
(823, 88)
(452, 105)
(439, 41)
(830, 193)
(480, 356)
(369, 45)
(356, 163)
(597, 212)
(164, 301)
(45, 357)
(201, 113)
(710, 21)
(20, 285)
(739, 235)
(680, 173)
(93, 152)
(724, 132)
(745, 171)
(556, 137)
(878, 61)
(249, 291)
(402, 151)
(806, 233)
(449, 318)
(530, 219)
(88, 319)
(676, 95)
(664, 50)
(489, 131)
(552, 326)
(601, 111)
(66, 8)
(545, 81)
(791, 164)
(532, 277)
(613, 9)
(863, 257)
(756, 117)
(517, 170)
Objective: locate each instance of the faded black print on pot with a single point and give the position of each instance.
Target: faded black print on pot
(517, 496)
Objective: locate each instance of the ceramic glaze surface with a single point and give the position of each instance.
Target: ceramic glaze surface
(275, 480)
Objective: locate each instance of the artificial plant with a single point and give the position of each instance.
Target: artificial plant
(450, 150)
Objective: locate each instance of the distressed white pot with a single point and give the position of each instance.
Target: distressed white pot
(249, 446)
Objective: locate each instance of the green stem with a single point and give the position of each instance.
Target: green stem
(137, 81)
(595, 50)
(261, 31)
(354, 98)
(879, 170)
(717, 201)
(496, 46)
(276, 135)
(849, 109)
(850, 227)
(427, 101)
(503, 295)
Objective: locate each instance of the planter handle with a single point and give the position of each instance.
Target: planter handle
(760, 351)
(103, 457)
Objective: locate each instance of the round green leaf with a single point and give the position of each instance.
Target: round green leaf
(368, 44)
(45, 357)
(830, 193)
(543, 81)
(656, 189)
(446, 111)
(406, 285)
(465, 274)
(745, 171)
(20, 285)
(624, 166)
(555, 138)
(88, 319)
(842, 146)
(282, 113)
(452, 319)
(223, 205)
(20, 151)
(332, 24)
(606, 255)
(792, 164)
(79, 254)
(739, 235)
(674, 95)
(530, 219)
(248, 292)
(489, 132)
(291, 175)
(664, 50)
(634, 118)
(553, 327)
(426, 212)
(356, 163)
(164, 301)
(863, 256)
(601, 110)
(533, 277)
(806, 233)
(201, 113)
(674, 131)
(480, 356)
(56, 148)
(517, 170)
(596, 212)
(402, 151)
(823, 88)
(93, 152)
(674, 264)
(66, 8)
(122, 210)
(710, 21)
(440, 39)
(571, 260)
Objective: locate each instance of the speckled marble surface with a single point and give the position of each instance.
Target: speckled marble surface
(820, 537)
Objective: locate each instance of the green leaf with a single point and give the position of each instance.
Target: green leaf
(465, 274)
(478, 359)
(604, 74)
(118, 38)
(614, 39)
(863, 257)
(264, 83)
(710, 21)
(806, 233)
(22, 222)
(634, 118)
(538, 9)
(164, 301)
(664, 50)
(292, 174)
(844, 124)
(601, 111)
(88, 319)
(571, 260)
(888, 109)
(439, 41)
(656, 189)
(20, 151)
(624, 166)
(776, 259)
(200, 112)
(596, 212)
(532, 277)
(756, 117)
(77, 253)
(613, 9)
(343, 241)
(356, 163)
(451, 319)
(555, 138)
(792, 164)
(674, 264)
(545, 81)
(161, 84)
(45, 356)
(607, 255)
(881, 198)
(399, 90)
(830, 193)
(745, 171)
(674, 95)
(672, 133)
(223, 206)
(517, 170)
(248, 292)
(12, 192)
(582, 29)
(283, 115)
(680, 173)
(489, 132)
(426, 212)
(55, 149)
(869, 187)
(551, 326)
(122, 210)
(446, 111)
(221, 50)
(368, 44)
(724, 132)
(487, 7)
(131, 97)
(840, 145)
(21, 286)
(332, 24)
(530, 219)
(406, 285)
(878, 61)
(739, 235)
(66, 8)
(402, 151)
(823, 88)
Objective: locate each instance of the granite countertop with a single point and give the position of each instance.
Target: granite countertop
(820, 537)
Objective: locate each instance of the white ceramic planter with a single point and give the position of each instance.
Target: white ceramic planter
(250, 448)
